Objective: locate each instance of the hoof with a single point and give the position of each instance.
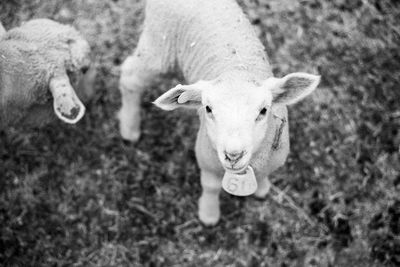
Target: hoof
(209, 212)
(261, 194)
(264, 187)
(128, 130)
(209, 220)
(132, 136)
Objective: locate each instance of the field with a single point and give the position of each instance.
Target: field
(80, 196)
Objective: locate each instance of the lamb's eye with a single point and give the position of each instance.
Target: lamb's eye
(262, 114)
(84, 69)
(208, 110)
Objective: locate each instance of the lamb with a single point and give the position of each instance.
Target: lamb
(38, 62)
(243, 134)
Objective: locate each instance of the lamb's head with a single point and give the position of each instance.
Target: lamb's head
(44, 70)
(237, 113)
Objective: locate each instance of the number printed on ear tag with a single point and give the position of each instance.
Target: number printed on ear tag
(240, 184)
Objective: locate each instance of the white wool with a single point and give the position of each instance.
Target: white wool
(31, 57)
(216, 49)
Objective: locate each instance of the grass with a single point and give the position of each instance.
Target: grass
(79, 196)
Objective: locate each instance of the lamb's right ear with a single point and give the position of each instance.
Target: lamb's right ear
(188, 96)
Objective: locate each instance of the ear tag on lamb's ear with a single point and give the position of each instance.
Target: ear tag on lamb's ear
(240, 184)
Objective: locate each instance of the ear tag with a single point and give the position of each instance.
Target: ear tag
(240, 184)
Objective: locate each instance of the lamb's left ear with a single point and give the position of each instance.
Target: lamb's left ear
(187, 96)
(292, 88)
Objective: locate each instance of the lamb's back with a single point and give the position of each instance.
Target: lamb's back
(205, 37)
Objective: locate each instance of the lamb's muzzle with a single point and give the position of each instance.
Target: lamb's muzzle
(233, 157)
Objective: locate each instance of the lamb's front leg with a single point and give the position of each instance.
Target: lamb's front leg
(263, 188)
(129, 115)
(135, 77)
(209, 210)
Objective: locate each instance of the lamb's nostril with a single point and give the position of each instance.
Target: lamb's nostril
(234, 156)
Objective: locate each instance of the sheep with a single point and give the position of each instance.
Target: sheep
(243, 134)
(38, 62)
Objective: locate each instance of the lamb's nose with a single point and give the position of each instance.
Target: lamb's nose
(234, 157)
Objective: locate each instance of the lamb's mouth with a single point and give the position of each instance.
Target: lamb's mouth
(236, 170)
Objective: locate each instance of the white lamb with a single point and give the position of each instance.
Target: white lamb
(242, 108)
(38, 62)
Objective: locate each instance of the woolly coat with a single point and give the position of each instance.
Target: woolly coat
(205, 40)
(30, 56)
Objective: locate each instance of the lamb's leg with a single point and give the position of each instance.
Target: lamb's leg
(136, 75)
(209, 210)
(264, 185)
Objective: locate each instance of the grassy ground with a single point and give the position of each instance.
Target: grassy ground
(79, 196)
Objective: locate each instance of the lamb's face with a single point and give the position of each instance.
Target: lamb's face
(236, 113)
(236, 121)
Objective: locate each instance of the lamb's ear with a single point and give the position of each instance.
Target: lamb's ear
(188, 96)
(66, 103)
(292, 88)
